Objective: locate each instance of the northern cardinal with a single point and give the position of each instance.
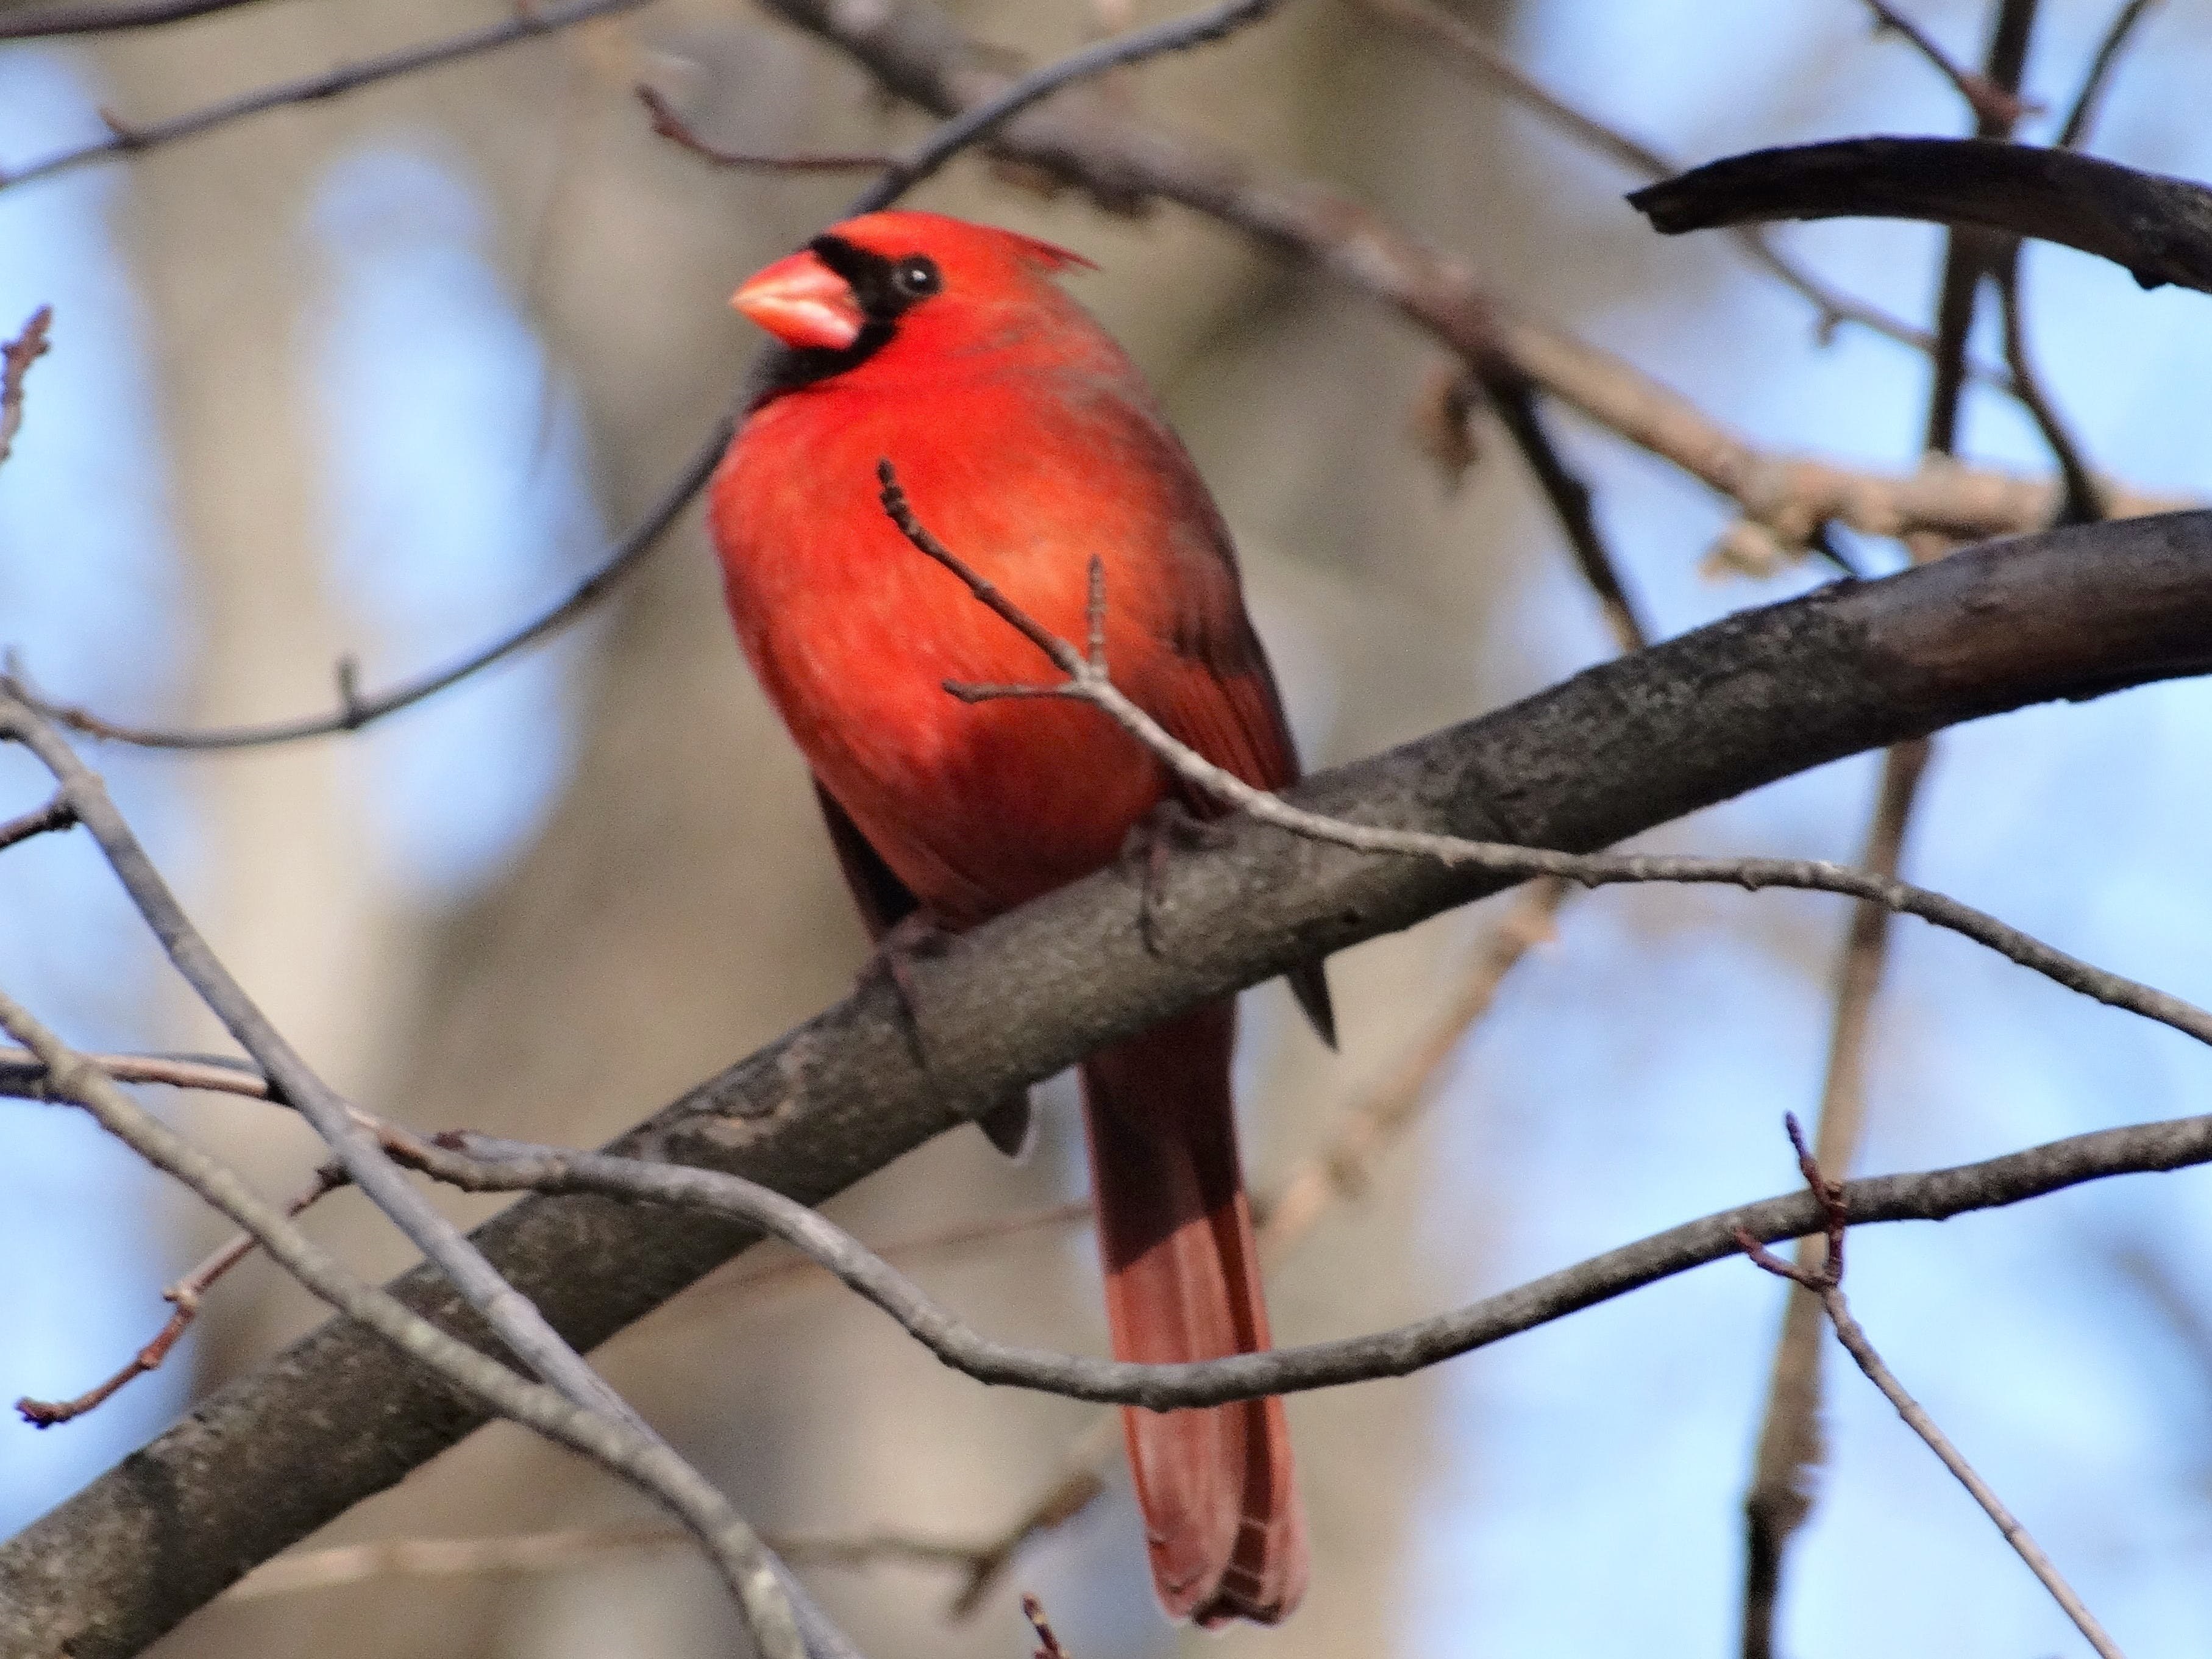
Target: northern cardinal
(1028, 442)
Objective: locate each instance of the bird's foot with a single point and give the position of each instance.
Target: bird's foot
(1169, 827)
(914, 937)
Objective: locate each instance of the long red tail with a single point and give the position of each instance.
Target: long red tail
(1222, 1521)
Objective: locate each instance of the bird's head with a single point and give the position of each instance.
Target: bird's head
(935, 286)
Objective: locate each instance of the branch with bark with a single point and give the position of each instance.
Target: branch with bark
(1607, 754)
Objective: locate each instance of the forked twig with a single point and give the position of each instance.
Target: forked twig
(1825, 1282)
(184, 1297)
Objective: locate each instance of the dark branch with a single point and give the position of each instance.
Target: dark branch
(2159, 229)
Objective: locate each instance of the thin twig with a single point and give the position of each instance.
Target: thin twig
(674, 128)
(2083, 500)
(963, 1236)
(1089, 681)
(42, 821)
(522, 22)
(184, 1298)
(1988, 100)
(361, 708)
(16, 357)
(1048, 1645)
(1825, 1282)
(485, 1164)
(1789, 1439)
(2086, 102)
(389, 1558)
(1514, 397)
(23, 1077)
(1854, 1339)
(638, 1457)
(1203, 28)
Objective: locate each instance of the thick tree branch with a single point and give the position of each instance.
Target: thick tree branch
(1607, 755)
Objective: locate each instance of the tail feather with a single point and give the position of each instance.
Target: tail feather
(1222, 1521)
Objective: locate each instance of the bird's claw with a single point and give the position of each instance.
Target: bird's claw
(1151, 841)
(914, 937)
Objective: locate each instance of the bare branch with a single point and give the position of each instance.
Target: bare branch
(1789, 1439)
(985, 115)
(674, 128)
(1513, 397)
(23, 1077)
(41, 821)
(387, 1558)
(185, 1297)
(16, 357)
(2083, 114)
(1825, 1282)
(356, 710)
(520, 1325)
(1991, 103)
(486, 1163)
(645, 1462)
(2158, 229)
(2083, 500)
(523, 23)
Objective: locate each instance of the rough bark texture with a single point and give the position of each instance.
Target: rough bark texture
(1607, 753)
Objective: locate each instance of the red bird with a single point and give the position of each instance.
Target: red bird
(1029, 442)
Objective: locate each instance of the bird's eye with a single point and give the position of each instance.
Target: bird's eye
(916, 276)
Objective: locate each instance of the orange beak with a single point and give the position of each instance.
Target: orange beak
(803, 302)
